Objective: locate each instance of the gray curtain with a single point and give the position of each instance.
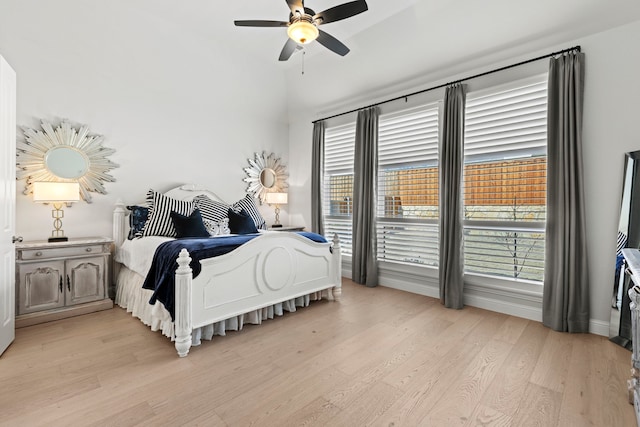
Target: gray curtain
(451, 168)
(317, 175)
(566, 282)
(365, 167)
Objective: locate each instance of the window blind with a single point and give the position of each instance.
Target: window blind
(338, 183)
(408, 186)
(505, 180)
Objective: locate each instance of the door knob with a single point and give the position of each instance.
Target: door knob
(16, 239)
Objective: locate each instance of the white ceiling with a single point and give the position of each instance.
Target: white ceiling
(480, 24)
(394, 41)
(392, 44)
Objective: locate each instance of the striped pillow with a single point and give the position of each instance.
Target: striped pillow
(211, 210)
(248, 203)
(159, 222)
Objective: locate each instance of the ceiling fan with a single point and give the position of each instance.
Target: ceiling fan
(302, 27)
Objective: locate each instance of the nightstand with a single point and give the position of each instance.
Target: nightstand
(286, 228)
(61, 279)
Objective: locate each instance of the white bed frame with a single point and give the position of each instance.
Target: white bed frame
(272, 268)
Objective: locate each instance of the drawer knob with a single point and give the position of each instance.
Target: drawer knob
(88, 249)
(38, 253)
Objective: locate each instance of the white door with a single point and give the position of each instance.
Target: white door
(7, 203)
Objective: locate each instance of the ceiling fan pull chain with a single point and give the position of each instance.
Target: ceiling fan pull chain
(304, 52)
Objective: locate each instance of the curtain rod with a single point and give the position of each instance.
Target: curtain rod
(577, 48)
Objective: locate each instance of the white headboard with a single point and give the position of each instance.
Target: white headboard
(182, 192)
(189, 191)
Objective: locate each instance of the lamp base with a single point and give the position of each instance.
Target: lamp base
(58, 239)
(276, 226)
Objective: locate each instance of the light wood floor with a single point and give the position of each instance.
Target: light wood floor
(379, 357)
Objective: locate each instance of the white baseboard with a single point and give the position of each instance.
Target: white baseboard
(599, 327)
(531, 307)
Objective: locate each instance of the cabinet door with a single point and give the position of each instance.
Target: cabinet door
(85, 280)
(40, 286)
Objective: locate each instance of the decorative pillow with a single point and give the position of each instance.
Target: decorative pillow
(220, 228)
(189, 226)
(159, 222)
(137, 218)
(241, 222)
(248, 203)
(210, 209)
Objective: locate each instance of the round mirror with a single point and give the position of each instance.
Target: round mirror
(66, 162)
(268, 178)
(64, 153)
(265, 175)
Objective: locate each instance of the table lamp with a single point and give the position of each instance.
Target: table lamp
(277, 199)
(56, 193)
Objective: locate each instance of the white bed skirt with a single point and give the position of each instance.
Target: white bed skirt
(131, 296)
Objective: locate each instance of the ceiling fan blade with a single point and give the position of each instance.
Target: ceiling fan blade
(260, 23)
(287, 50)
(296, 6)
(332, 43)
(343, 11)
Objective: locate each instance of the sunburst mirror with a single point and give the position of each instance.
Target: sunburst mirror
(64, 154)
(266, 174)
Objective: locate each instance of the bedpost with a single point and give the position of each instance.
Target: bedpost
(119, 214)
(337, 267)
(118, 223)
(182, 321)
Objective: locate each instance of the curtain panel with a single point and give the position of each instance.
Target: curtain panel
(365, 175)
(566, 283)
(450, 273)
(317, 178)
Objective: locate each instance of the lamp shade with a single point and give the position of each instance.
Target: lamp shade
(302, 32)
(277, 198)
(56, 192)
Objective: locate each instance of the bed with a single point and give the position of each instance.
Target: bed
(269, 273)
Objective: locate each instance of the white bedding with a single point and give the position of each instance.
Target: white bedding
(136, 257)
(137, 254)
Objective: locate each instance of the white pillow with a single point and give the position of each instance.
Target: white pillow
(219, 228)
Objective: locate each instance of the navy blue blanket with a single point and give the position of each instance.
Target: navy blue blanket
(161, 276)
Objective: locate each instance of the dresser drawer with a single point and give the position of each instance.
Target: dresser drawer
(34, 254)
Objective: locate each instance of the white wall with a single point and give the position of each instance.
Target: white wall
(176, 107)
(612, 90)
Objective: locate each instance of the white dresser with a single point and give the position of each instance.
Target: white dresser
(632, 260)
(61, 279)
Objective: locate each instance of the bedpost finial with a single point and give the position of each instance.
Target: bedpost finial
(183, 262)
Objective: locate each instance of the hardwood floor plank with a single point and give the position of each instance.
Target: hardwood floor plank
(377, 357)
(595, 393)
(552, 367)
(505, 392)
(483, 416)
(457, 404)
(540, 407)
(317, 413)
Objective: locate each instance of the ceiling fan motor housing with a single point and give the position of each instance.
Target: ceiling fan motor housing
(302, 28)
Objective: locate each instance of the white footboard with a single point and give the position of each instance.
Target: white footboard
(267, 270)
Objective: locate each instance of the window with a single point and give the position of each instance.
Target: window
(339, 144)
(408, 186)
(505, 181)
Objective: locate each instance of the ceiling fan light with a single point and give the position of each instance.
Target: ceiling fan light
(302, 32)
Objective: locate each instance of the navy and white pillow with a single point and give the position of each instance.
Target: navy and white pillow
(137, 219)
(217, 228)
(159, 222)
(211, 210)
(248, 203)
